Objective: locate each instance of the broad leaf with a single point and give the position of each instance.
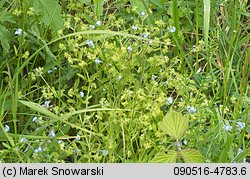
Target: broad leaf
(162, 157)
(192, 156)
(174, 124)
(50, 12)
(4, 39)
(139, 5)
(98, 7)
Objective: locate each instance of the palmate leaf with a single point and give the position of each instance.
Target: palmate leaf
(174, 124)
(162, 157)
(50, 12)
(191, 156)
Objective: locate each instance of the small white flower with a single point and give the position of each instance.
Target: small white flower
(35, 119)
(241, 125)
(46, 104)
(97, 61)
(239, 151)
(153, 77)
(134, 28)
(130, 48)
(228, 127)
(59, 141)
(39, 149)
(54, 68)
(150, 42)
(50, 71)
(185, 142)
(194, 48)
(191, 109)
(52, 133)
(90, 43)
(165, 83)
(169, 100)
(145, 35)
(82, 94)
(98, 23)
(23, 140)
(245, 160)
(104, 152)
(19, 32)
(198, 71)
(78, 137)
(143, 14)
(119, 78)
(172, 29)
(7, 128)
(92, 27)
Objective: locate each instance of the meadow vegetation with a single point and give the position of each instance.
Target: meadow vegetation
(124, 81)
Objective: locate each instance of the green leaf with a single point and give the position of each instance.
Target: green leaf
(162, 157)
(88, 2)
(139, 5)
(192, 156)
(174, 124)
(39, 108)
(50, 12)
(4, 39)
(98, 7)
(206, 20)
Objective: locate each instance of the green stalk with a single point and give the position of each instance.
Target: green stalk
(206, 20)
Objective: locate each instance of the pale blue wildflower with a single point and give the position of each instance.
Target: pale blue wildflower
(59, 141)
(19, 32)
(50, 71)
(241, 125)
(169, 100)
(198, 71)
(143, 14)
(98, 23)
(46, 104)
(78, 137)
(145, 35)
(52, 133)
(82, 94)
(239, 151)
(104, 152)
(228, 127)
(134, 28)
(130, 48)
(119, 78)
(191, 109)
(39, 149)
(97, 61)
(92, 27)
(150, 42)
(172, 29)
(7, 128)
(35, 119)
(90, 43)
(153, 77)
(23, 140)
(185, 142)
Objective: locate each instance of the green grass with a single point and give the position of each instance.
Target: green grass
(73, 90)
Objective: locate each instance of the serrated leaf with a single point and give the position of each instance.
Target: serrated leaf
(162, 157)
(40, 109)
(174, 124)
(50, 12)
(191, 156)
(4, 39)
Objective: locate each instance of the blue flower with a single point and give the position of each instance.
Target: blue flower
(92, 27)
(119, 78)
(97, 61)
(52, 133)
(134, 28)
(228, 127)
(191, 109)
(169, 100)
(39, 149)
(98, 23)
(7, 128)
(82, 94)
(23, 140)
(172, 29)
(35, 119)
(130, 48)
(241, 125)
(90, 43)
